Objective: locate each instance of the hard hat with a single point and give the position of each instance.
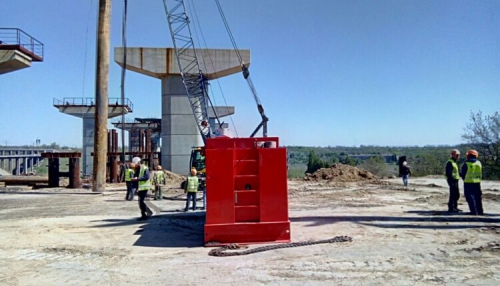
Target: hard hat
(136, 160)
(455, 152)
(193, 171)
(404, 163)
(473, 153)
(158, 167)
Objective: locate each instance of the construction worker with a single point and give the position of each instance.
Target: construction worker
(144, 186)
(191, 189)
(452, 177)
(129, 174)
(159, 180)
(472, 173)
(405, 174)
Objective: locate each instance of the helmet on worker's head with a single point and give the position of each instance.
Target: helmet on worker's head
(473, 153)
(193, 171)
(455, 152)
(158, 167)
(136, 160)
(404, 163)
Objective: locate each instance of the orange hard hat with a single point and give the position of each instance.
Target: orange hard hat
(473, 153)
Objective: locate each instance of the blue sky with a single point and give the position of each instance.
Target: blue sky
(328, 72)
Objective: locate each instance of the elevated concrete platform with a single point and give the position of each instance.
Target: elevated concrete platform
(12, 60)
(18, 50)
(159, 62)
(84, 107)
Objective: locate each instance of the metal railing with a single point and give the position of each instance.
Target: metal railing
(14, 36)
(90, 101)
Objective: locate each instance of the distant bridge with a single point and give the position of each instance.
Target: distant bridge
(19, 161)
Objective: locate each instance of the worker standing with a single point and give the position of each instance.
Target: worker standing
(405, 174)
(452, 177)
(472, 174)
(129, 174)
(144, 186)
(159, 180)
(191, 189)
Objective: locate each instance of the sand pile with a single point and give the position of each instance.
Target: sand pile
(340, 173)
(174, 177)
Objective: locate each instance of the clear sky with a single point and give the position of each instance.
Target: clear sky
(328, 72)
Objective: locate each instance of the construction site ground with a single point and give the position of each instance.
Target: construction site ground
(400, 237)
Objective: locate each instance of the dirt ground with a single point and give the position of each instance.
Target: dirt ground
(76, 237)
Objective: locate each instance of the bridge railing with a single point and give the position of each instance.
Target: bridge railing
(17, 37)
(90, 101)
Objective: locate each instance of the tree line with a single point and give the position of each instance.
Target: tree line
(481, 133)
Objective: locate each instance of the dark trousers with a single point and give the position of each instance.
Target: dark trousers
(145, 211)
(454, 195)
(472, 192)
(158, 194)
(130, 191)
(191, 196)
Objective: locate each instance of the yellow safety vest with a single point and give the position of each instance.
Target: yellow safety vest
(144, 185)
(454, 172)
(128, 174)
(192, 184)
(474, 172)
(160, 177)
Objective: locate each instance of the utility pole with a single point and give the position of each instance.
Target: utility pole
(101, 97)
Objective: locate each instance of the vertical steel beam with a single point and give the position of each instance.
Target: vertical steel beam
(53, 172)
(74, 173)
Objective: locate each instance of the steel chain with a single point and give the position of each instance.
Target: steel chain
(222, 251)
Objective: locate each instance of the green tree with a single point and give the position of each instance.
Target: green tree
(375, 165)
(350, 161)
(314, 162)
(483, 133)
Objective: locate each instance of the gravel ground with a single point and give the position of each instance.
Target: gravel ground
(76, 237)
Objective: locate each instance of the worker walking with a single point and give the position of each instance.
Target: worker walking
(191, 189)
(404, 170)
(129, 174)
(159, 180)
(452, 177)
(472, 174)
(144, 186)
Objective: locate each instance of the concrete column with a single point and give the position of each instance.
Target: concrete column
(179, 131)
(18, 167)
(25, 167)
(88, 145)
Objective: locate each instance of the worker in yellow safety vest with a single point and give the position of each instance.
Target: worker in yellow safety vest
(472, 174)
(144, 186)
(129, 174)
(191, 189)
(452, 177)
(159, 180)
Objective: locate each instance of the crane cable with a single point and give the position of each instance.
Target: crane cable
(246, 72)
(86, 48)
(197, 22)
(124, 68)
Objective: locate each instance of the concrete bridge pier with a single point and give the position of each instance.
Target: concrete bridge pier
(179, 130)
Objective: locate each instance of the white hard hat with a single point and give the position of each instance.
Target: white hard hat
(136, 160)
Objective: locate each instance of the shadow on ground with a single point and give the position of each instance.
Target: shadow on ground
(47, 193)
(425, 220)
(165, 230)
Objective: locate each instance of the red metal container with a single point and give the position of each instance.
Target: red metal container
(247, 197)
